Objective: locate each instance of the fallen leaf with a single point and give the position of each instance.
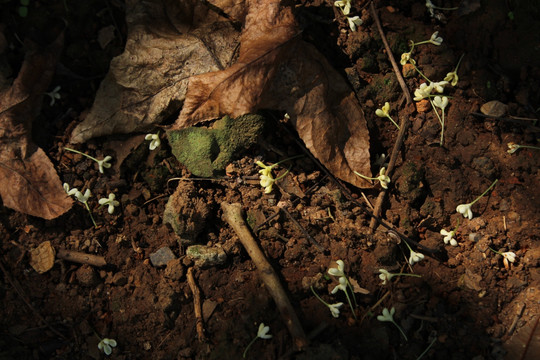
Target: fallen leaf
(168, 42)
(28, 181)
(494, 108)
(277, 70)
(171, 43)
(42, 258)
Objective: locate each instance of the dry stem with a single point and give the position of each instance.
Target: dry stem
(404, 123)
(196, 304)
(81, 258)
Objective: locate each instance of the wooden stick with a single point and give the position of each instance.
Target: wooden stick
(196, 304)
(80, 257)
(404, 123)
(232, 213)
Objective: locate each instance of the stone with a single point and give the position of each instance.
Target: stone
(162, 257)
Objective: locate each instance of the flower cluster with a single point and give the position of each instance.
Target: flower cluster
(83, 198)
(343, 284)
(432, 90)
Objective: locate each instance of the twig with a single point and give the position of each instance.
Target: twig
(81, 258)
(404, 123)
(232, 213)
(196, 304)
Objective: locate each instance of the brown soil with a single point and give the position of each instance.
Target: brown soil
(466, 303)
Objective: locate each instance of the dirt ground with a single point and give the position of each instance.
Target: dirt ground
(466, 304)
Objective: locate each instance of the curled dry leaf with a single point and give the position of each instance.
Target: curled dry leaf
(277, 70)
(168, 42)
(28, 181)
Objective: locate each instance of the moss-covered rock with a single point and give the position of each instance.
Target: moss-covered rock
(206, 151)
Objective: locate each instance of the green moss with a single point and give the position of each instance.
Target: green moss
(206, 151)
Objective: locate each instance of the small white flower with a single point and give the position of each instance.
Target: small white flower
(341, 286)
(354, 21)
(449, 237)
(339, 271)
(83, 198)
(383, 179)
(384, 111)
(385, 276)
(509, 255)
(415, 257)
(54, 95)
(512, 147)
(430, 7)
(452, 78)
(109, 201)
(70, 191)
(387, 315)
(334, 309)
(266, 178)
(423, 91)
(104, 163)
(263, 332)
(439, 86)
(406, 57)
(465, 210)
(436, 39)
(106, 345)
(440, 102)
(154, 140)
(344, 5)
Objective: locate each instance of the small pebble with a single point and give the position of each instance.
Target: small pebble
(162, 257)
(474, 237)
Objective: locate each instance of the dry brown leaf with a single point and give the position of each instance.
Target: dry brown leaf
(279, 71)
(42, 258)
(168, 42)
(28, 181)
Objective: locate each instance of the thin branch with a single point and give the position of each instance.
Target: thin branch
(404, 123)
(196, 304)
